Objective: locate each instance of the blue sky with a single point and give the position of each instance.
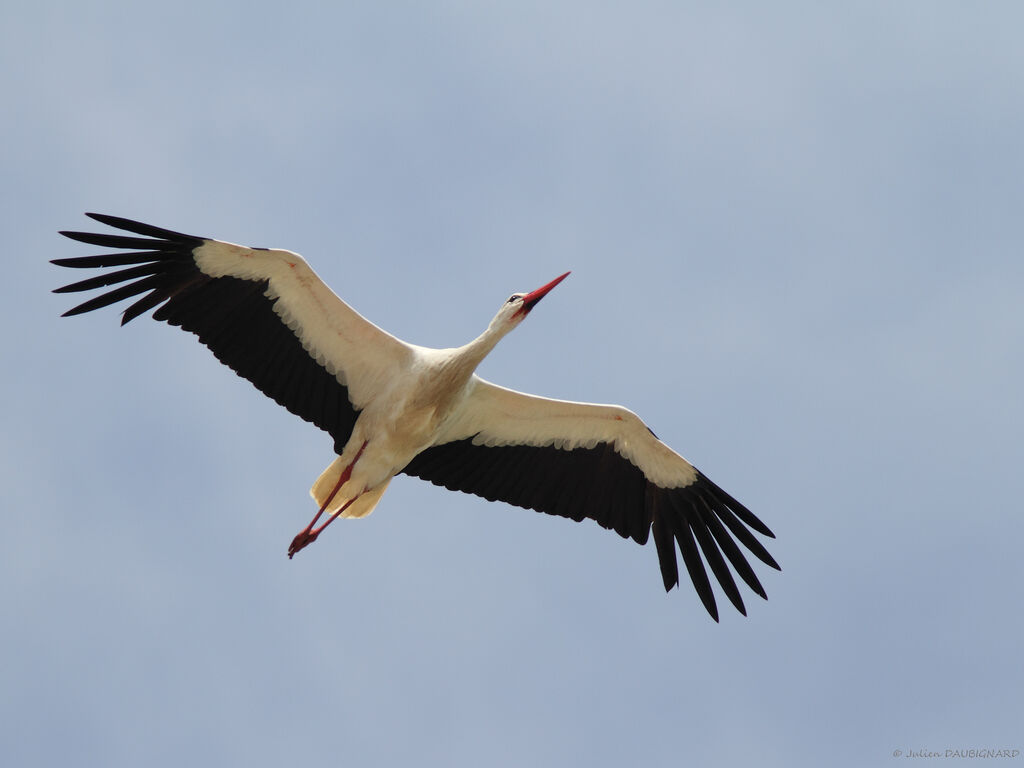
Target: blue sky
(795, 237)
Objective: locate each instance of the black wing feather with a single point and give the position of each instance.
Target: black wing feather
(233, 317)
(599, 484)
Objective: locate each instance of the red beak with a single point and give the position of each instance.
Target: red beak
(530, 299)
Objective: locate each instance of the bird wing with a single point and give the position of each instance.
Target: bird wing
(262, 312)
(601, 462)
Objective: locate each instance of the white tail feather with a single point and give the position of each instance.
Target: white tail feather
(361, 507)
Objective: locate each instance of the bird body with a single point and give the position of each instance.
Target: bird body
(393, 407)
(409, 412)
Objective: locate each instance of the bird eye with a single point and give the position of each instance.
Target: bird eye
(512, 298)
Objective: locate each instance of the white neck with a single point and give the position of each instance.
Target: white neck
(475, 351)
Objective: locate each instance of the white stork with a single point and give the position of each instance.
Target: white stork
(394, 407)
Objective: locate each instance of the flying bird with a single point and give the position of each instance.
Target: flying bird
(392, 407)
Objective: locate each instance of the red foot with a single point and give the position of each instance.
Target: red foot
(304, 538)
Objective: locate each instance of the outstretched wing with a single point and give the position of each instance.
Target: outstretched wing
(264, 313)
(600, 462)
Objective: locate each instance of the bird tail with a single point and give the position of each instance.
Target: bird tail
(363, 504)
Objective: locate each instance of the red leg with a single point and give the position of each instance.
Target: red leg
(308, 534)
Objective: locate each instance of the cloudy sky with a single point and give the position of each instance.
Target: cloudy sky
(795, 236)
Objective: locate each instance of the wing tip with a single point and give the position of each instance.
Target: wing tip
(110, 220)
(712, 609)
(691, 518)
(136, 227)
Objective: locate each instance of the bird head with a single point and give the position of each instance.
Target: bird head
(518, 305)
